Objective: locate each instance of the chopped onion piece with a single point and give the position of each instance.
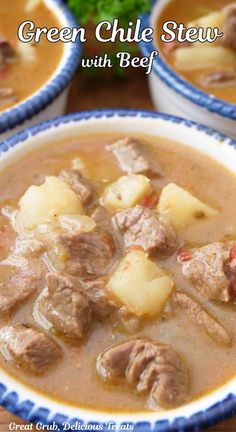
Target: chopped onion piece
(81, 223)
(27, 51)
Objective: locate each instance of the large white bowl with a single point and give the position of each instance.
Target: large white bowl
(35, 407)
(50, 99)
(174, 95)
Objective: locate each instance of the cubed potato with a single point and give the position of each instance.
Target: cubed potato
(213, 19)
(81, 223)
(140, 285)
(126, 191)
(196, 57)
(181, 209)
(44, 203)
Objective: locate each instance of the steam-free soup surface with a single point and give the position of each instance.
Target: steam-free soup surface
(24, 68)
(209, 66)
(209, 360)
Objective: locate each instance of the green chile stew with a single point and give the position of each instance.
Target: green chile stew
(118, 272)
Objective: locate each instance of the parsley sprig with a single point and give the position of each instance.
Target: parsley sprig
(99, 10)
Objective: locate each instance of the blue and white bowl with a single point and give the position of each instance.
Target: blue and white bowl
(37, 407)
(50, 99)
(174, 95)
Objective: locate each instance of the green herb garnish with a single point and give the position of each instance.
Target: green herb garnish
(100, 10)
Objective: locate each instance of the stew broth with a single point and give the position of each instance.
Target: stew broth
(209, 364)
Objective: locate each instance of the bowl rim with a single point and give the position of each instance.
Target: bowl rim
(53, 86)
(179, 84)
(36, 408)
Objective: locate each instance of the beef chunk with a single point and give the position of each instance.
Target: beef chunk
(7, 52)
(68, 308)
(206, 271)
(30, 349)
(231, 267)
(229, 27)
(103, 220)
(79, 184)
(18, 283)
(90, 254)
(199, 315)
(141, 227)
(149, 366)
(129, 154)
(100, 299)
(113, 362)
(102, 217)
(219, 79)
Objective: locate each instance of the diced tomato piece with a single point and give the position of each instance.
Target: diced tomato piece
(150, 200)
(232, 253)
(183, 256)
(232, 286)
(137, 248)
(169, 47)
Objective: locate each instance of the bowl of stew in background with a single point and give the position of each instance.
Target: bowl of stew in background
(117, 272)
(195, 80)
(34, 78)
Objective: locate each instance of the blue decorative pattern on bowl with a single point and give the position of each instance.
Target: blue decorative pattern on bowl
(46, 94)
(37, 408)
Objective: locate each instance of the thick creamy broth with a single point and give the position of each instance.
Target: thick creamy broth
(209, 364)
(29, 71)
(187, 12)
